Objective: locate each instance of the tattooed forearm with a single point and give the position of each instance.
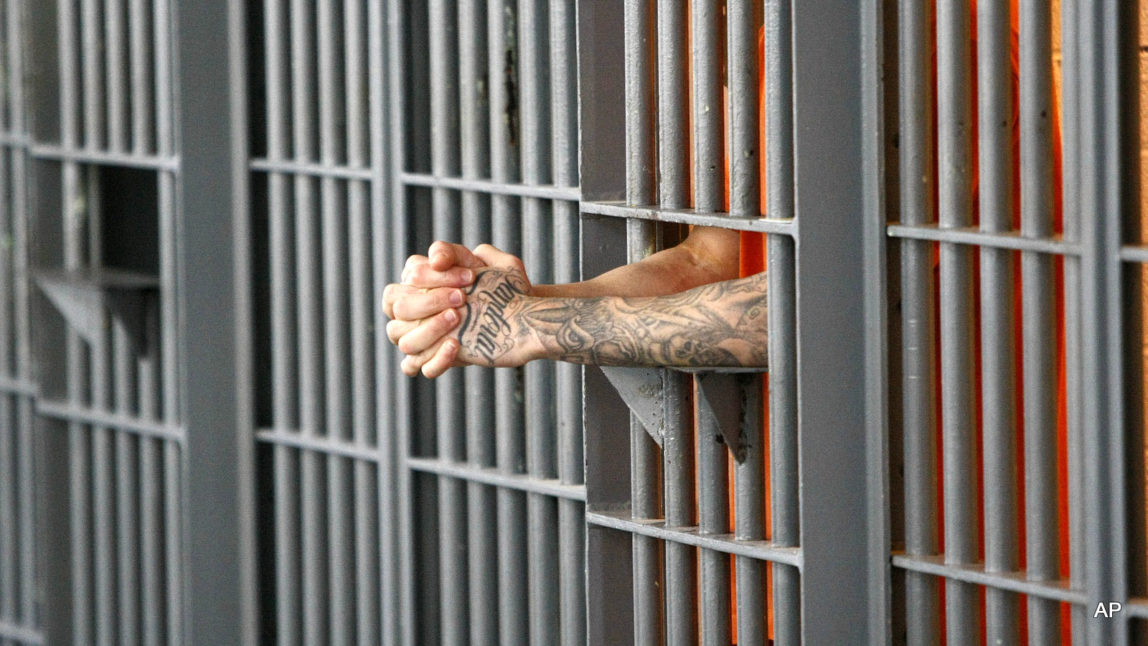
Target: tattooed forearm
(721, 324)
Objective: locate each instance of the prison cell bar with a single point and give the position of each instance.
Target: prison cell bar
(9, 474)
(1070, 139)
(336, 342)
(709, 186)
(542, 512)
(309, 326)
(482, 539)
(364, 478)
(998, 381)
(568, 378)
(677, 441)
(115, 58)
(506, 233)
(1039, 313)
(288, 607)
(957, 396)
(645, 501)
(449, 404)
(782, 301)
(143, 123)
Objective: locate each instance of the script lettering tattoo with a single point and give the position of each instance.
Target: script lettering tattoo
(486, 330)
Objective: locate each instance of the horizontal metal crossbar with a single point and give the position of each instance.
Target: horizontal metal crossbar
(1134, 254)
(975, 237)
(318, 444)
(690, 216)
(287, 167)
(976, 574)
(726, 543)
(20, 634)
(1137, 607)
(493, 477)
(545, 192)
(105, 158)
(72, 413)
(14, 140)
(14, 386)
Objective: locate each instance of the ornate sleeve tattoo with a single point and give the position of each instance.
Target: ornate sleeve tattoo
(721, 324)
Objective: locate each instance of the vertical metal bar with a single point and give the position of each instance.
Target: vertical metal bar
(8, 464)
(1042, 553)
(1102, 205)
(284, 395)
(918, 318)
(93, 75)
(749, 523)
(314, 544)
(568, 379)
(745, 22)
(150, 479)
(1070, 138)
(363, 401)
(449, 405)
(116, 59)
(677, 449)
(336, 344)
(542, 511)
(782, 311)
(127, 488)
(998, 346)
(502, 43)
(482, 539)
(713, 512)
(142, 107)
(957, 396)
(641, 189)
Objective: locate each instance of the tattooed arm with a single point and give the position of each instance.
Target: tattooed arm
(720, 324)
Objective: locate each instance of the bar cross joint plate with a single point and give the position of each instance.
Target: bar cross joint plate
(80, 296)
(722, 398)
(642, 390)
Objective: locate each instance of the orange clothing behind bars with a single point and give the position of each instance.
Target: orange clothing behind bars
(752, 261)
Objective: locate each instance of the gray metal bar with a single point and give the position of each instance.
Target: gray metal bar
(449, 391)
(713, 513)
(919, 414)
(494, 477)
(709, 164)
(1070, 138)
(85, 156)
(1103, 202)
(1014, 582)
(749, 522)
(677, 449)
(116, 71)
(744, 25)
(540, 191)
(785, 529)
(288, 607)
(542, 513)
(94, 114)
(831, 122)
(502, 57)
(1042, 552)
(142, 103)
(568, 378)
(81, 414)
(688, 216)
(475, 151)
(308, 294)
(336, 314)
(127, 487)
(362, 320)
(8, 465)
(319, 170)
(641, 189)
(998, 345)
(956, 302)
(1015, 241)
(1134, 254)
(150, 480)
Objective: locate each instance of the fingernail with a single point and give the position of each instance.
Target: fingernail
(451, 316)
(467, 275)
(456, 298)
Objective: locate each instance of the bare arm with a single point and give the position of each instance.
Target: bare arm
(720, 324)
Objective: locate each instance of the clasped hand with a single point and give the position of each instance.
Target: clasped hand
(457, 307)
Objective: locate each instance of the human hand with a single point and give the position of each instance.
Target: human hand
(424, 308)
